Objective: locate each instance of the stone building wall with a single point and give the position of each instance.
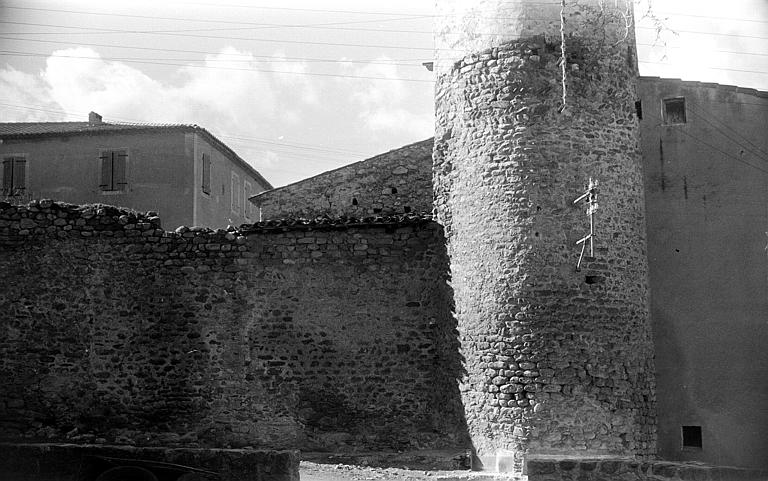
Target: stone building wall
(304, 335)
(559, 360)
(396, 182)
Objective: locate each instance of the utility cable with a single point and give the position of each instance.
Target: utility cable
(705, 119)
(260, 70)
(765, 171)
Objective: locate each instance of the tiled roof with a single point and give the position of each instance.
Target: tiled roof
(30, 130)
(35, 129)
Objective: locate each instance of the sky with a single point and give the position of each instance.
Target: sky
(299, 87)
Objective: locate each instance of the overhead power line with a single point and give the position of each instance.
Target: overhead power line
(702, 113)
(261, 70)
(713, 147)
(739, 35)
(708, 67)
(178, 33)
(416, 62)
(187, 19)
(271, 40)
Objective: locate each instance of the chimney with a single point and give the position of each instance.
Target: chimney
(94, 118)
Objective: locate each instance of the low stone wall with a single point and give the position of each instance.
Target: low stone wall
(320, 335)
(69, 462)
(396, 182)
(628, 470)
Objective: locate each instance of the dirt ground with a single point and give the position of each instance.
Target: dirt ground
(342, 472)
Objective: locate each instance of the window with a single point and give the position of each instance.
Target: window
(247, 193)
(692, 437)
(14, 175)
(674, 111)
(206, 174)
(235, 192)
(113, 170)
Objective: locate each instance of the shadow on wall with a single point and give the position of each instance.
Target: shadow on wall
(369, 341)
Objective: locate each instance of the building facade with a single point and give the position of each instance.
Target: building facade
(182, 172)
(705, 159)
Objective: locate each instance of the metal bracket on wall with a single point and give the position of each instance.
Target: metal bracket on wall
(591, 196)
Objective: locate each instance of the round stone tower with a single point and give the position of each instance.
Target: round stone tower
(535, 106)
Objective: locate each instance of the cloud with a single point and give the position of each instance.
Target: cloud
(231, 90)
(388, 103)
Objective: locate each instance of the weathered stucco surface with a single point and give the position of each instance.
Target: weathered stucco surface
(706, 189)
(395, 182)
(558, 360)
(324, 336)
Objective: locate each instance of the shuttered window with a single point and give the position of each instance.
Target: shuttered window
(14, 175)
(247, 193)
(206, 173)
(113, 170)
(235, 192)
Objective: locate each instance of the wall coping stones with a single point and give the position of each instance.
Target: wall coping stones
(59, 219)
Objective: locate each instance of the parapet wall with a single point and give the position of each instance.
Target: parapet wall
(396, 182)
(303, 335)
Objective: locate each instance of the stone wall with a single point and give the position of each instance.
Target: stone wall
(319, 335)
(559, 360)
(399, 181)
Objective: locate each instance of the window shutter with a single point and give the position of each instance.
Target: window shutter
(7, 176)
(246, 196)
(206, 173)
(106, 171)
(119, 169)
(19, 173)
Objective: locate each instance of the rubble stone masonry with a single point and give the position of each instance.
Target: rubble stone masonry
(282, 334)
(559, 360)
(396, 182)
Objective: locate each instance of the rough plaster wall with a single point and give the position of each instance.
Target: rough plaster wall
(396, 182)
(707, 201)
(330, 336)
(558, 361)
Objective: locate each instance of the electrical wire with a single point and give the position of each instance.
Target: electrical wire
(271, 40)
(704, 118)
(260, 70)
(708, 67)
(394, 62)
(765, 171)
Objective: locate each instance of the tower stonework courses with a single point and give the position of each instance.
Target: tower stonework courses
(535, 103)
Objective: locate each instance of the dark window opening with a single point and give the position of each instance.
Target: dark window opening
(674, 111)
(406, 208)
(394, 190)
(692, 436)
(639, 109)
(354, 201)
(14, 176)
(113, 170)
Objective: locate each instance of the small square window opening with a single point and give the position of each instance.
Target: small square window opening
(674, 111)
(692, 437)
